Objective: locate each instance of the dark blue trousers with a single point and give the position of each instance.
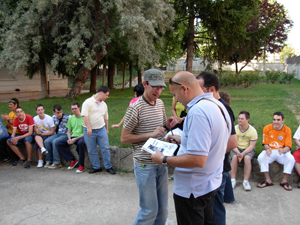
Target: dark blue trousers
(63, 148)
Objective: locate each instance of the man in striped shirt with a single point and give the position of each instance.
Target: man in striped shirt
(145, 119)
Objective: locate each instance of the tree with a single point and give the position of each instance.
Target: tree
(224, 27)
(266, 32)
(81, 32)
(25, 40)
(287, 51)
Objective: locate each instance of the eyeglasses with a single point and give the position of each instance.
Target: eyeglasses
(173, 82)
(156, 87)
(205, 89)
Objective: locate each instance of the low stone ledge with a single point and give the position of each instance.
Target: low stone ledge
(275, 171)
(122, 159)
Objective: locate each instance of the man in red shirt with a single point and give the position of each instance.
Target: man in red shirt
(25, 124)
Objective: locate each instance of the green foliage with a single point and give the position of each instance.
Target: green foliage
(286, 51)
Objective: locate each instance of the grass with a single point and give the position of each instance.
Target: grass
(261, 100)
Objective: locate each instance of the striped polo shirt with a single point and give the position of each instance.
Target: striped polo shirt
(142, 117)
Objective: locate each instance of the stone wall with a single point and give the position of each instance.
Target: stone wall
(121, 159)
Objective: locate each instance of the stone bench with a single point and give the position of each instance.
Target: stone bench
(275, 171)
(122, 159)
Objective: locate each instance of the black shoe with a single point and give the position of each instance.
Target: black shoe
(20, 161)
(28, 164)
(111, 171)
(95, 170)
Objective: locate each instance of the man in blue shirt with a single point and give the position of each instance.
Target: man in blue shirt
(199, 162)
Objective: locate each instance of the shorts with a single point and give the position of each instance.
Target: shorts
(251, 154)
(22, 141)
(296, 155)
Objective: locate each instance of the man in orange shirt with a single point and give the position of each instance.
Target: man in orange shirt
(277, 142)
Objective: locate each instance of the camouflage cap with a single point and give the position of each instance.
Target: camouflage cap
(155, 77)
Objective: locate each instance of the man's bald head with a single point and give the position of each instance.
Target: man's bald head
(186, 78)
(184, 87)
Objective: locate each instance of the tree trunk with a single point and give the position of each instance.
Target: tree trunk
(81, 76)
(111, 73)
(104, 74)
(264, 62)
(93, 79)
(236, 68)
(130, 75)
(190, 47)
(83, 72)
(140, 77)
(124, 73)
(44, 88)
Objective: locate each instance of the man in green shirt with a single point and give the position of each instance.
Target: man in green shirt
(74, 136)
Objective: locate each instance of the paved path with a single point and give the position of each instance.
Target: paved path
(44, 196)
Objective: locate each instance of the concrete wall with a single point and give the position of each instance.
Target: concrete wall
(198, 66)
(28, 87)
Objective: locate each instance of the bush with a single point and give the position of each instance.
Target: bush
(272, 76)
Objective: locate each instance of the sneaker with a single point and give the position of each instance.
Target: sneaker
(80, 169)
(47, 165)
(40, 164)
(73, 164)
(54, 166)
(233, 183)
(44, 151)
(246, 185)
(28, 164)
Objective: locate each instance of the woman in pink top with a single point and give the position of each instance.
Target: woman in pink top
(138, 91)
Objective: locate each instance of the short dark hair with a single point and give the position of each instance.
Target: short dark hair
(279, 114)
(210, 79)
(247, 114)
(38, 105)
(19, 108)
(139, 89)
(225, 96)
(57, 107)
(76, 103)
(15, 101)
(104, 89)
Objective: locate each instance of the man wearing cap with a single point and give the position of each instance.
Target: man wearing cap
(95, 131)
(6, 154)
(144, 119)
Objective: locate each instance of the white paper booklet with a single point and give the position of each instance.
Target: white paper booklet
(165, 148)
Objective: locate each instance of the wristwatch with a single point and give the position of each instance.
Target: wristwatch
(165, 161)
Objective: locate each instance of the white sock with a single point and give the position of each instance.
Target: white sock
(245, 181)
(43, 149)
(232, 179)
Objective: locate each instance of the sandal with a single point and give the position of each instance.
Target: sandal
(286, 186)
(264, 184)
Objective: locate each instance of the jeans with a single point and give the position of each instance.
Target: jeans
(4, 148)
(50, 145)
(195, 211)
(228, 192)
(100, 137)
(219, 208)
(152, 182)
(63, 147)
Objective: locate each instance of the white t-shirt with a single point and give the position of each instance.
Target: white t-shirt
(44, 125)
(297, 134)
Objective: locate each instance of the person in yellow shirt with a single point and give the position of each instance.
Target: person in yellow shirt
(6, 155)
(277, 142)
(247, 137)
